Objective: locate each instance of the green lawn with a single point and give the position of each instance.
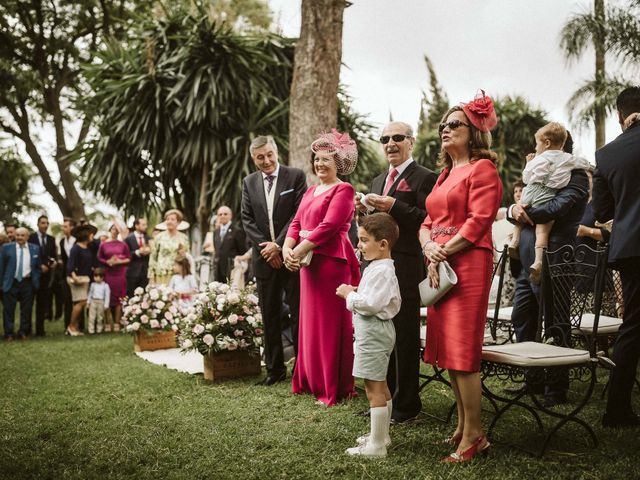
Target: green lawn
(89, 408)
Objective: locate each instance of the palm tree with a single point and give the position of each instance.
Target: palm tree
(602, 30)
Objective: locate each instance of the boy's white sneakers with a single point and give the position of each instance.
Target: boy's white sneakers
(368, 450)
(361, 440)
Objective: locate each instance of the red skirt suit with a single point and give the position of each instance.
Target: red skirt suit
(465, 200)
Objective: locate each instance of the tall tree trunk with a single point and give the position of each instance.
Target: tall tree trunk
(316, 75)
(599, 44)
(204, 206)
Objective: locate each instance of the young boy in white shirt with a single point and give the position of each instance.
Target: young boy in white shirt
(374, 303)
(97, 301)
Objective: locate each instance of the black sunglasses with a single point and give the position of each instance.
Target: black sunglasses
(396, 138)
(453, 124)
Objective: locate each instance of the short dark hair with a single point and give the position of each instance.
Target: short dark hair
(11, 225)
(518, 183)
(98, 272)
(628, 101)
(41, 217)
(69, 220)
(136, 222)
(568, 143)
(382, 226)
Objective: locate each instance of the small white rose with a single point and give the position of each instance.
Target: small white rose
(138, 291)
(208, 339)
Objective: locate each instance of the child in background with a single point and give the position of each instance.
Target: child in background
(374, 304)
(97, 301)
(182, 282)
(546, 172)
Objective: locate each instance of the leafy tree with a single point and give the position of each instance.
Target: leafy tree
(611, 31)
(513, 138)
(432, 109)
(42, 46)
(14, 194)
(176, 113)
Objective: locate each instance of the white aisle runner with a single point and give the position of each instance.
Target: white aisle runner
(190, 362)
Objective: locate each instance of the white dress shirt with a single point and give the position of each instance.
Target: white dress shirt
(402, 167)
(378, 293)
(270, 196)
(26, 261)
(68, 243)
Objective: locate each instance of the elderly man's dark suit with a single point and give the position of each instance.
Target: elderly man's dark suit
(566, 209)
(227, 248)
(44, 294)
(409, 212)
(289, 186)
(616, 194)
(138, 269)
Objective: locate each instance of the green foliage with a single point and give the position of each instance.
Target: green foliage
(433, 106)
(182, 102)
(513, 138)
(15, 193)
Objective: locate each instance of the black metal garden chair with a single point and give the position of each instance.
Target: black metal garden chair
(570, 276)
(499, 315)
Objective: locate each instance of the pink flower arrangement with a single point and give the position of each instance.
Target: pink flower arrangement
(150, 309)
(222, 319)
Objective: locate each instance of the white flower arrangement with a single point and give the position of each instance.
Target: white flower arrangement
(151, 309)
(222, 319)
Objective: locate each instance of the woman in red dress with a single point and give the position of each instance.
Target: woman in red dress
(321, 225)
(461, 209)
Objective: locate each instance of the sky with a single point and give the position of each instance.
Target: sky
(506, 47)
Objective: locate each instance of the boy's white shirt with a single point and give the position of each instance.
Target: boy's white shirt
(99, 291)
(378, 293)
(552, 168)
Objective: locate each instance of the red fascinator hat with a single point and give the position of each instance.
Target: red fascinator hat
(339, 145)
(480, 112)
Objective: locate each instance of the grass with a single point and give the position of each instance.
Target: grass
(89, 408)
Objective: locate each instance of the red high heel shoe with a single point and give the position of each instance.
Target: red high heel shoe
(481, 445)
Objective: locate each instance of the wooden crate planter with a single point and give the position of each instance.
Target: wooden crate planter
(143, 341)
(231, 365)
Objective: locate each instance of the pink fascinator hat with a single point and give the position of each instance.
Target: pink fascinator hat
(480, 112)
(339, 145)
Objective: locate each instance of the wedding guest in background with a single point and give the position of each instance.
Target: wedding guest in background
(44, 294)
(320, 226)
(183, 282)
(98, 302)
(20, 275)
(10, 230)
(229, 241)
(403, 189)
(461, 209)
(138, 243)
(115, 255)
(66, 243)
(166, 247)
(270, 198)
(616, 194)
(4, 238)
(80, 266)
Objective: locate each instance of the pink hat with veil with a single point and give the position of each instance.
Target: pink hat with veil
(341, 147)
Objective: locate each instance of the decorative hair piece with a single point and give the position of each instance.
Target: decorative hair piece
(480, 112)
(339, 145)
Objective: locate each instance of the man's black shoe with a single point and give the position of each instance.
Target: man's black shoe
(271, 380)
(553, 400)
(611, 421)
(525, 388)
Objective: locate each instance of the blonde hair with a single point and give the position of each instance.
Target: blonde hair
(554, 132)
(176, 212)
(479, 145)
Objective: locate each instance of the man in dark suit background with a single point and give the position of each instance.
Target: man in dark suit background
(138, 243)
(616, 194)
(404, 189)
(20, 276)
(270, 199)
(66, 242)
(44, 294)
(566, 210)
(228, 242)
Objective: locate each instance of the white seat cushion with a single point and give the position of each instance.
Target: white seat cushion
(534, 354)
(423, 312)
(504, 314)
(606, 325)
(423, 336)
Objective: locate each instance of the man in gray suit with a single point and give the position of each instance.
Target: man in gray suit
(270, 199)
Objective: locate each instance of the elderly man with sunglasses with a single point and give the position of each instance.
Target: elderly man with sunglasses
(402, 191)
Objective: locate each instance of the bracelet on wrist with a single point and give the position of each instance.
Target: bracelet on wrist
(426, 243)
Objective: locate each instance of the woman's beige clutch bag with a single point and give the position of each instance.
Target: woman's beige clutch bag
(430, 295)
(306, 260)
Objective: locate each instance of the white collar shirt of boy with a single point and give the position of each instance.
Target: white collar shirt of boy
(378, 292)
